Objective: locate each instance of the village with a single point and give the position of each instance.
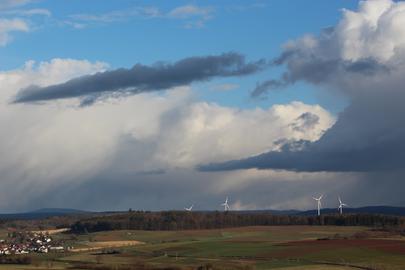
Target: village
(29, 242)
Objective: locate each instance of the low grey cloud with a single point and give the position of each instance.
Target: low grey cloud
(181, 188)
(142, 78)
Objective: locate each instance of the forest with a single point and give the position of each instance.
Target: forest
(181, 220)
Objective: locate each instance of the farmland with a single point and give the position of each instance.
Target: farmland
(259, 247)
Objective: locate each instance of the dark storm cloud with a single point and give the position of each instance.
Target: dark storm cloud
(368, 136)
(366, 67)
(316, 70)
(142, 78)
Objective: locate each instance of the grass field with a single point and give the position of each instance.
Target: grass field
(275, 247)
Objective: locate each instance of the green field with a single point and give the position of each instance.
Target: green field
(273, 247)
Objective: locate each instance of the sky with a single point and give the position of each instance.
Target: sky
(159, 105)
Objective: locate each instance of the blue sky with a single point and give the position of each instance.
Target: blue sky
(125, 36)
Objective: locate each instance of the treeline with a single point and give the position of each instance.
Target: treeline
(180, 220)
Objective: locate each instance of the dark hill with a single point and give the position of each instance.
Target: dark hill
(41, 214)
(378, 210)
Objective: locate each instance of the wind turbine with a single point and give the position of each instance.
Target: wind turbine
(319, 203)
(341, 204)
(189, 209)
(226, 205)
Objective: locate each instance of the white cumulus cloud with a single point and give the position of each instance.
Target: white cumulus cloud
(52, 145)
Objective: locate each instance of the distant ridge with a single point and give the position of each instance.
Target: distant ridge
(382, 210)
(58, 210)
(51, 212)
(42, 213)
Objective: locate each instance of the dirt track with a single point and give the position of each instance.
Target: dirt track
(107, 244)
(53, 231)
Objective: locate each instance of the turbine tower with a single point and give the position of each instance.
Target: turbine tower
(319, 203)
(189, 209)
(226, 205)
(341, 204)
